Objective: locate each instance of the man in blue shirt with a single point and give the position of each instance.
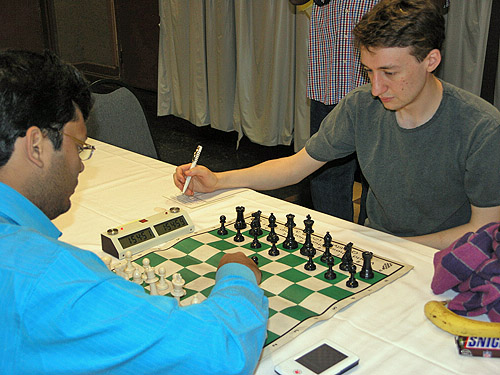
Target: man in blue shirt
(63, 311)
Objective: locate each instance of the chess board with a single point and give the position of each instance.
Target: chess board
(297, 298)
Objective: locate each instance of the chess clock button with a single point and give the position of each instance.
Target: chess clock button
(174, 210)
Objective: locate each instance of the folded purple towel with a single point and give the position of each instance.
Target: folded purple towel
(471, 267)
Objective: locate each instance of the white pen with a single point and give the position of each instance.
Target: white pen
(196, 156)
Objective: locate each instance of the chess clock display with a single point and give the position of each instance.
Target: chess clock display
(146, 233)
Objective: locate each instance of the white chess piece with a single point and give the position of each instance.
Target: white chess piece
(195, 300)
(107, 261)
(178, 283)
(137, 277)
(163, 285)
(129, 267)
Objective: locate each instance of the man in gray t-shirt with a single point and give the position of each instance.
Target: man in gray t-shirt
(428, 149)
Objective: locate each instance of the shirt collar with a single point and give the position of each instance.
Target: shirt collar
(19, 210)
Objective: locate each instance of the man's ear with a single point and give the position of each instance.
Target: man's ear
(433, 60)
(34, 146)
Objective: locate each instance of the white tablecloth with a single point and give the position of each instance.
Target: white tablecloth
(387, 330)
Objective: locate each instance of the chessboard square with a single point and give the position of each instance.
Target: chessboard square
(200, 283)
(272, 312)
(293, 275)
(271, 336)
(275, 284)
(170, 267)
(202, 268)
(377, 276)
(339, 277)
(318, 303)
(222, 245)
(298, 312)
(204, 252)
(314, 283)
(295, 293)
(292, 260)
(154, 259)
(274, 267)
(214, 260)
(186, 261)
(265, 275)
(187, 245)
(171, 253)
(263, 260)
(230, 233)
(335, 292)
(280, 323)
(279, 303)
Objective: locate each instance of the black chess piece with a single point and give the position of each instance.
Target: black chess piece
(308, 245)
(256, 228)
(310, 266)
(347, 257)
(222, 230)
(255, 243)
(240, 218)
(272, 236)
(330, 274)
(255, 259)
(290, 242)
(327, 244)
(352, 282)
(274, 251)
(367, 271)
(239, 237)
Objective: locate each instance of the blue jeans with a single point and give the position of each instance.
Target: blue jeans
(331, 185)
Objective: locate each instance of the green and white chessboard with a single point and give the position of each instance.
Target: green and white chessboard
(297, 298)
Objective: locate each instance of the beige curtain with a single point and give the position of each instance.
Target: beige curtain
(241, 65)
(236, 65)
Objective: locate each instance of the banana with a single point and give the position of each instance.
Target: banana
(447, 320)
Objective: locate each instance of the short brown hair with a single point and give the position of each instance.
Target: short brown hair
(418, 24)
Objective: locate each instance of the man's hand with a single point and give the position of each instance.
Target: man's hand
(203, 180)
(241, 258)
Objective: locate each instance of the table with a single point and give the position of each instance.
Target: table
(387, 330)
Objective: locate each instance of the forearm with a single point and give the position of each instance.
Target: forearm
(271, 174)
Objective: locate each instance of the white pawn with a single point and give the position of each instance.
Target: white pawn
(137, 277)
(178, 283)
(195, 300)
(163, 285)
(107, 261)
(129, 267)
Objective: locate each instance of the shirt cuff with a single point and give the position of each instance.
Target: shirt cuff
(235, 269)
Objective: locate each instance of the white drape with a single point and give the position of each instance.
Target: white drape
(242, 64)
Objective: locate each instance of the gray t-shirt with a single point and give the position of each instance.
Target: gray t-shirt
(422, 180)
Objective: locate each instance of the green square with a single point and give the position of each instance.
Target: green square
(187, 245)
(271, 336)
(230, 233)
(268, 294)
(222, 245)
(188, 275)
(272, 312)
(262, 259)
(295, 293)
(335, 292)
(186, 261)
(291, 260)
(298, 313)
(206, 292)
(293, 275)
(154, 259)
(266, 275)
(214, 260)
(376, 278)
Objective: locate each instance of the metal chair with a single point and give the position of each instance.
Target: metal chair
(118, 118)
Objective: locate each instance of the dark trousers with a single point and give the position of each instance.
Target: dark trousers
(331, 185)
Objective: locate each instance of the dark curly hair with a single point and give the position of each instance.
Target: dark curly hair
(418, 24)
(38, 90)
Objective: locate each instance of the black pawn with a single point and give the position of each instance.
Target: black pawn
(310, 266)
(308, 245)
(274, 251)
(222, 230)
(330, 274)
(272, 236)
(346, 258)
(327, 244)
(239, 237)
(290, 242)
(255, 243)
(255, 260)
(367, 271)
(352, 282)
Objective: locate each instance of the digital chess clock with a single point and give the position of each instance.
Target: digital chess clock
(146, 233)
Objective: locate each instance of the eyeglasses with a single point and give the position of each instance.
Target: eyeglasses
(85, 151)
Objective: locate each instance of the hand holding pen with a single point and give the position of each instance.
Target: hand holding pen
(194, 161)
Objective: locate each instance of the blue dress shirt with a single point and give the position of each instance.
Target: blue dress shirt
(64, 312)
